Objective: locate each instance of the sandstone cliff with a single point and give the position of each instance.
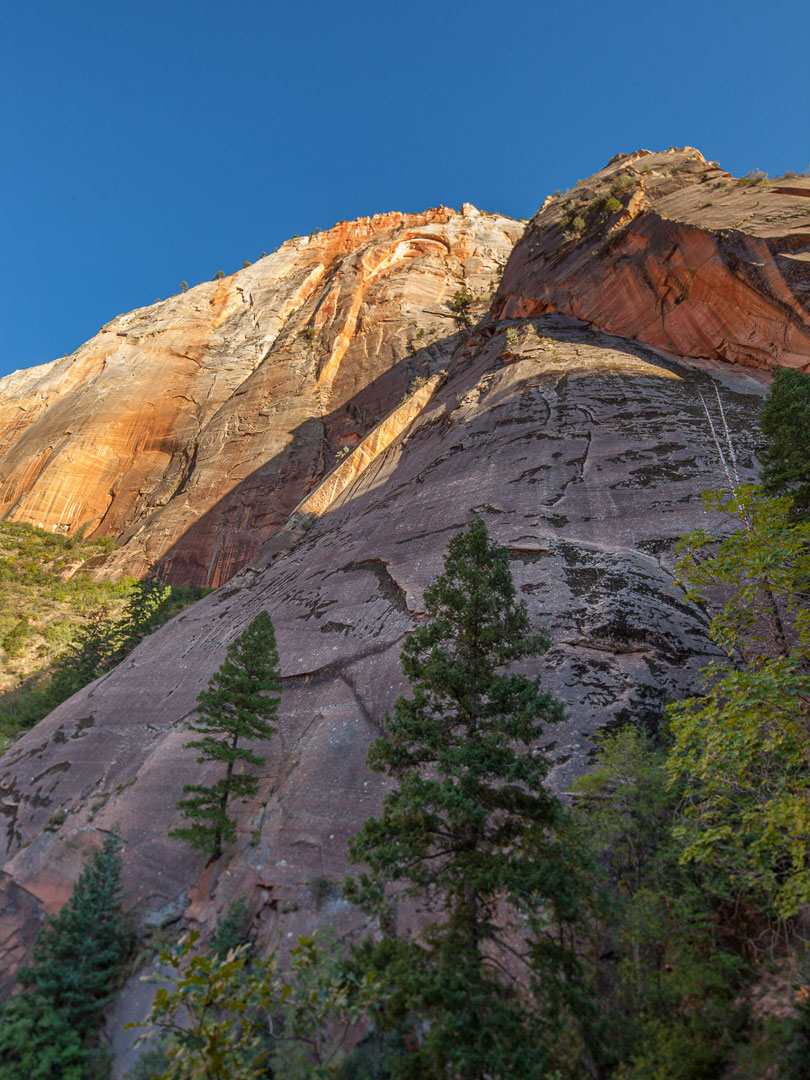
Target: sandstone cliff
(584, 453)
(668, 249)
(191, 428)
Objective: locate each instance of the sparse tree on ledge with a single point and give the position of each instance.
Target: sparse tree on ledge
(235, 707)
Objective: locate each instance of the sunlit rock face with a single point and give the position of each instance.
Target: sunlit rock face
(191, 428)
(669, 249)
(585, 455)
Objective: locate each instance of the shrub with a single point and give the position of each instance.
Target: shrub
(219, 274)
(415, 384)
(753, 177)
(232, 928)
(461, 304)
(573, 228)
(15, 638)
(622, 184)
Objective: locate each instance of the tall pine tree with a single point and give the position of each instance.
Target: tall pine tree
(235, 707)
(470, 831)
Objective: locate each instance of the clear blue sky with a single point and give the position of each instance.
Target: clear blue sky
(147, 143)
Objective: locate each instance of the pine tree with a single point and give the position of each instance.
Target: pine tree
(50, 1032)
(37, 1043)
(77, 956)
(234, 707)
(470, 829)
(785, 423)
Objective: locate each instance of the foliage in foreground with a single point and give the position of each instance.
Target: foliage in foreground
(663, 973)
(740, 749)
(234, 1017)
(785, 423)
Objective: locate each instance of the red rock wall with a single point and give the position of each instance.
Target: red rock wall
(688, 260)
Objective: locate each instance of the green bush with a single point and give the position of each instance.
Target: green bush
(16, 637)
(754, 177)
(231, 928)
(573, 228)
(461, 305)
(38, 1043)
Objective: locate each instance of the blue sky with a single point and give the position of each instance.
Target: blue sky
(150, 143)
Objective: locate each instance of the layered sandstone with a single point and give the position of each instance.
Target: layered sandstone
(669, 249)
(191, 428)
(585, 454)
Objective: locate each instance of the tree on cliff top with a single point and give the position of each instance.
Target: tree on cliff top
(470, 830)
(785, 423)
(234, 707)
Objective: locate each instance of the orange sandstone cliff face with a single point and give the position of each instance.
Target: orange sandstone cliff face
(668, 249)
(191, 428)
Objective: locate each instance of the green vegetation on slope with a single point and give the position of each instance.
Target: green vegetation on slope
(43, 602)
(60, 629)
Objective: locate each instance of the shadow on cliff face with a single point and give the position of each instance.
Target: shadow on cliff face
(225, 538)
(228, 536)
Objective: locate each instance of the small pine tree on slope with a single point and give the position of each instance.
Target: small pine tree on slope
(470, 829)
(234, 707)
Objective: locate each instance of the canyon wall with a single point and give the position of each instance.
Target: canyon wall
(203, 432)
(669, 249)
(585, 454)
(190, 429)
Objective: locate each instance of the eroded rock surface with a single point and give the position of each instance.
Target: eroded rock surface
(191, 428)
(669, 249)
(585, 454)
